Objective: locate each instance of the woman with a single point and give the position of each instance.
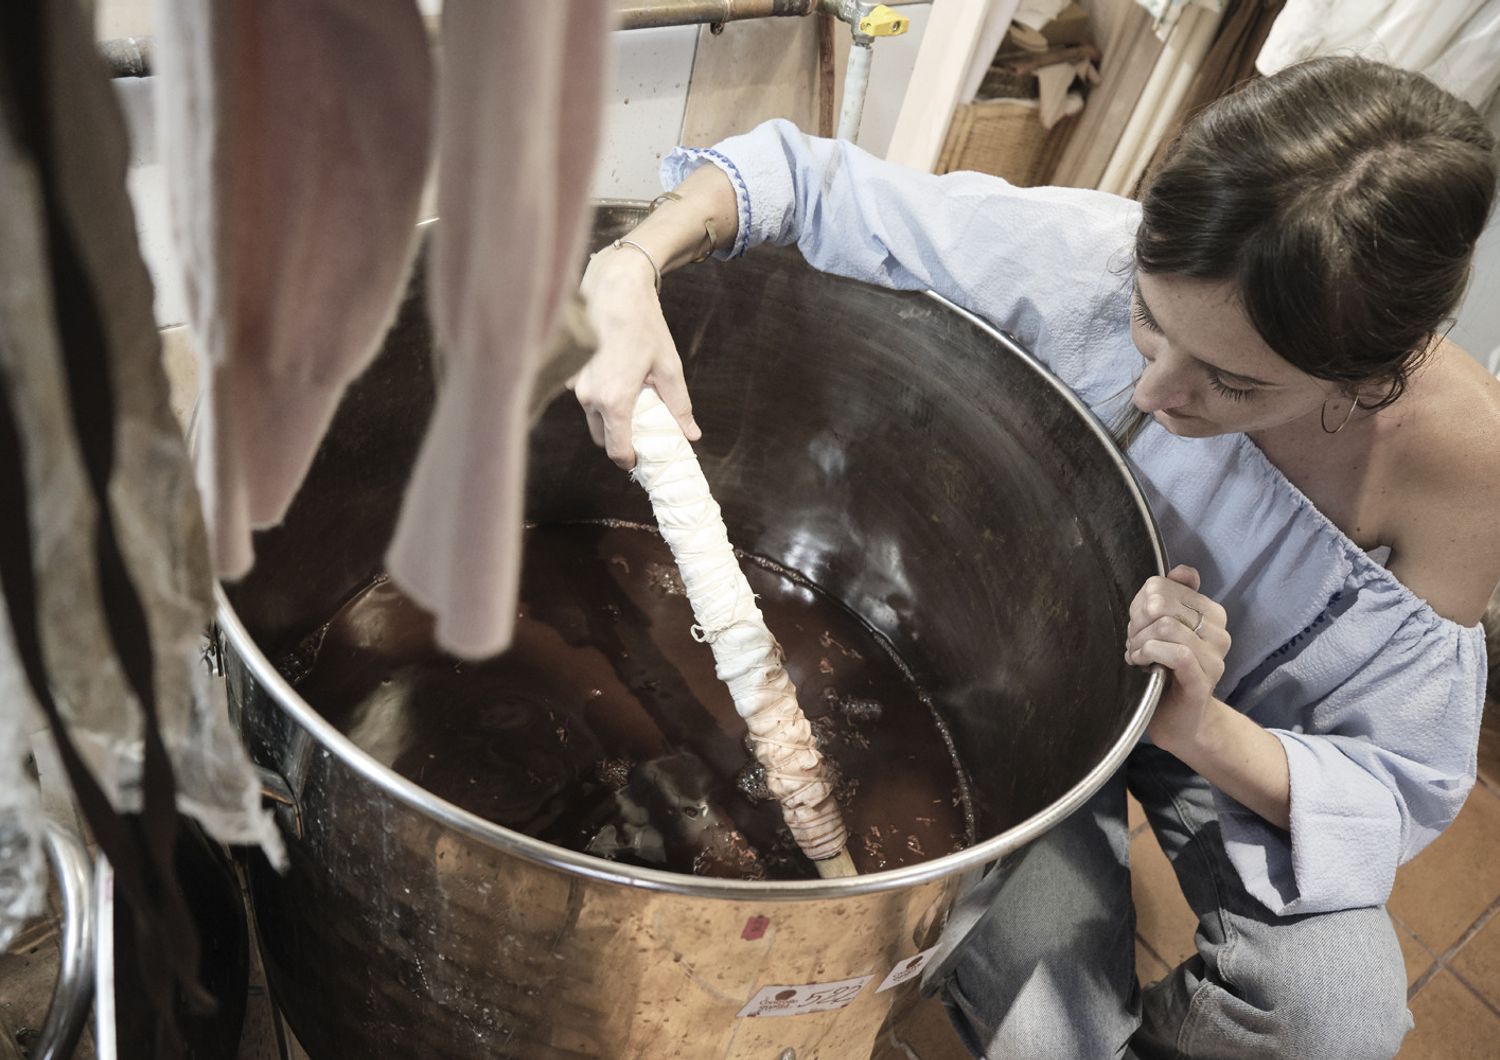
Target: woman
(1325, 466)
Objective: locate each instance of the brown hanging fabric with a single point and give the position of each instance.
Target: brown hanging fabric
(1230, 60)
(65, 172)
(1128, 58)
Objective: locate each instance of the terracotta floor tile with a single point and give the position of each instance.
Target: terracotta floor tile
(1441, 893)
(1479, 961)
(1418, 958)
(1162, 915)
(1452, 1024)
(1134, 815)
(1148, 967)
(1489, 745)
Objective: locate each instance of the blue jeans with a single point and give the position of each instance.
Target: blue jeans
(1047, 967)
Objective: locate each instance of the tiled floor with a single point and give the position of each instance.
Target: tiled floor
(1445, 908)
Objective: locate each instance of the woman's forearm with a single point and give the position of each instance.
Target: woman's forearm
(678, 230)
(1241, 759)
(635, 345)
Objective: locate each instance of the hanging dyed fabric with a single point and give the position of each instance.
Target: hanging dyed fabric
(1165, 14)
(296, 137)
(1230, 61)
(518, 127)
(103, 559)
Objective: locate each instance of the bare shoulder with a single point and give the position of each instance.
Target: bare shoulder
(1444, 485)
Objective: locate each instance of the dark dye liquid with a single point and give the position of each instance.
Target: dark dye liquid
(603, 728)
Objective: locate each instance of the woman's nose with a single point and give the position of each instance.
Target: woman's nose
(1161, 388)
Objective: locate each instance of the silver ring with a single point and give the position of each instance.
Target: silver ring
(1198, 629)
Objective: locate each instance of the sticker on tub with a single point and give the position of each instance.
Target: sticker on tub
(907, 969)
(799, 1000)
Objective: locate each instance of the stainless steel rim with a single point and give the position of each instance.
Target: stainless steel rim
(69, 1010)
(534, 850)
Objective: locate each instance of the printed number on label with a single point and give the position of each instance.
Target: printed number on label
(809, 997)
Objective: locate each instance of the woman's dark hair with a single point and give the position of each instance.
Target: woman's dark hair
(1343, 197)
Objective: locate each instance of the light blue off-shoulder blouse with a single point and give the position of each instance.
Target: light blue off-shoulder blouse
(1374, 696)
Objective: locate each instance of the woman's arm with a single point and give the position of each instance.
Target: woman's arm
(1375, 725)
(1042, 263)
(634, 343)
(1237, 756)
(1227, 749)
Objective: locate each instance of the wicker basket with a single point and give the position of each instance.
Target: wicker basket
(1004, 137)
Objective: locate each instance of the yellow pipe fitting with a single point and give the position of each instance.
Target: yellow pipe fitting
(882, 21)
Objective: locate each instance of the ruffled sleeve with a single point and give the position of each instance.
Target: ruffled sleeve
(1380, 765)
(1049, 265)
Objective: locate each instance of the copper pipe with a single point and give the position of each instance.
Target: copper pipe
(650, 14)
(131, 56)
(825, 75)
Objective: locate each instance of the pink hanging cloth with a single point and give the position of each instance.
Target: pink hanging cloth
(295, 136)
(519, 108)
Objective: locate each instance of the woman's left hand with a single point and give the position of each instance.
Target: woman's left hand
(1171, 623)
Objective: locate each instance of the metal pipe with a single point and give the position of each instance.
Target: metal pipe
(856, 80)
(653, 14)
(132, 56)
(75, 968)
(106, 1043)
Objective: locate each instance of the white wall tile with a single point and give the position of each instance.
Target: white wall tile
(643, 114)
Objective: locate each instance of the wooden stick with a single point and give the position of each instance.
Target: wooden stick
(841, 864)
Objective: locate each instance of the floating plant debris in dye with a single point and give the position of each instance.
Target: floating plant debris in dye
(603, 729)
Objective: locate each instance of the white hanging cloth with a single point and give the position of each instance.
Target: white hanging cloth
(1455, 43)
(1165, 14)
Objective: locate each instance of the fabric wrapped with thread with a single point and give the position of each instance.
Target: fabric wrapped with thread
(747, 657)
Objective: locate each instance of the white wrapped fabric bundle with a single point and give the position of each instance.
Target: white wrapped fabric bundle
(746, 656)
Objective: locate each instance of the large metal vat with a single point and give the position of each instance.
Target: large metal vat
(903, 455)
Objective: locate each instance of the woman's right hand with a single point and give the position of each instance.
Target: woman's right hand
(635, 349)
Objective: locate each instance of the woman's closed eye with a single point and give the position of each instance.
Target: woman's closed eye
(1236, 391)
(1233, 393)
(1143, 315)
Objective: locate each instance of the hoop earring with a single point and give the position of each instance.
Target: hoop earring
(1323, 416)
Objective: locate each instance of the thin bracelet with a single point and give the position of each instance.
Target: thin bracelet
(711, 245)
(711, 238)
(632, 243)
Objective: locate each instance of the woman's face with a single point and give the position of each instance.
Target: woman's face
(1208, 371)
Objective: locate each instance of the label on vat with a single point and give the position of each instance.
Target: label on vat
(800, 1000)
(907, 969)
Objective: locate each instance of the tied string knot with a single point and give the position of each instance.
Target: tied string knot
(708, 636)
(711, 627)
